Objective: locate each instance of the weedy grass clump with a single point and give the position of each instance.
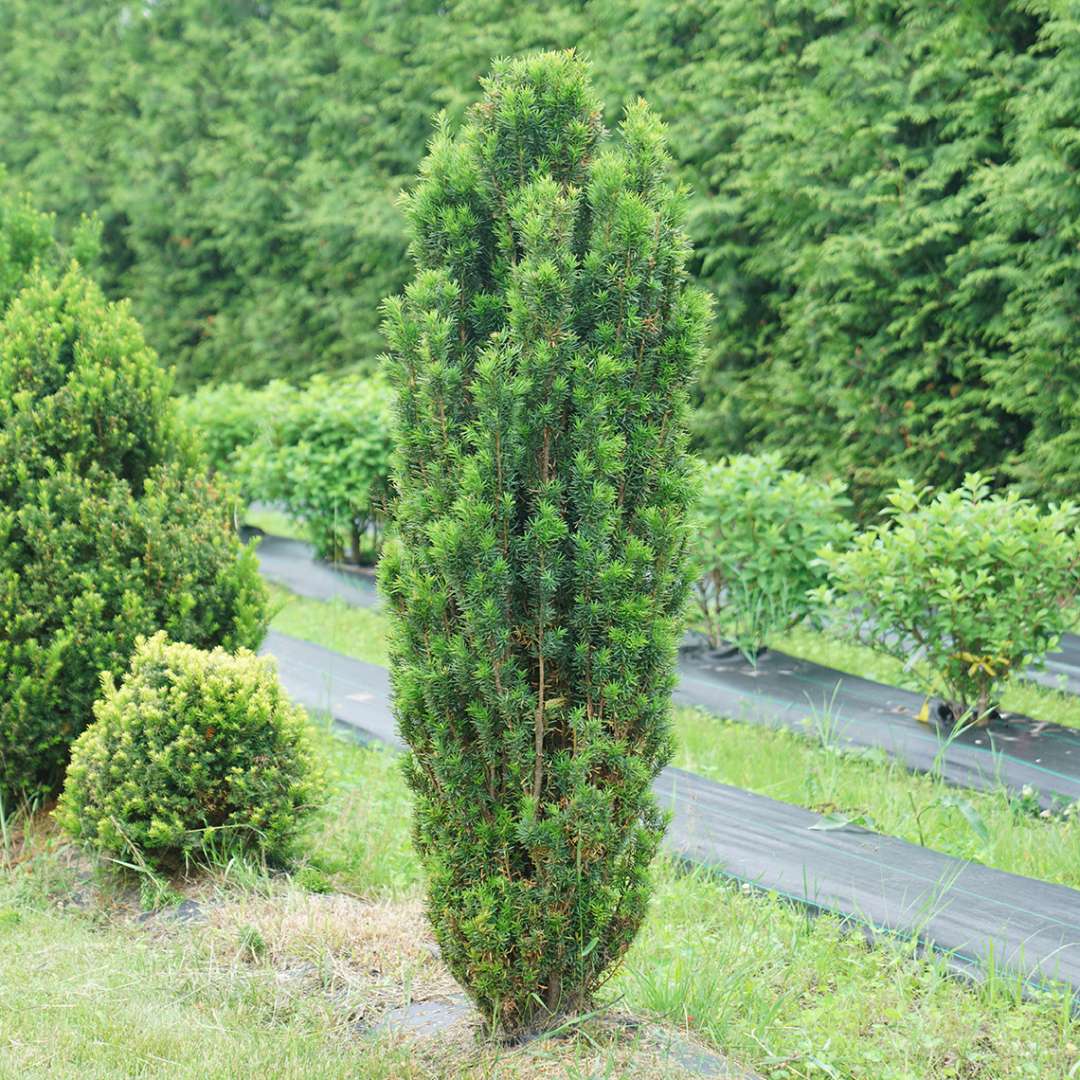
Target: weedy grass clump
(541, 358)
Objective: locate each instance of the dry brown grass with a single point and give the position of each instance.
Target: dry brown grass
(366, 958)
(348, 960)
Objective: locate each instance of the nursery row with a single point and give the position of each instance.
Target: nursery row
(853, 696)
(967, 588)
(975, 914)
(277, 972)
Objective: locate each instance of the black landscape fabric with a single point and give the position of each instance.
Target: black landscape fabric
(292, 564)
(780, 690)
(974, 914)
(977, 915)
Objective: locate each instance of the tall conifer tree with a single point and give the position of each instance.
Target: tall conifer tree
(542, 356)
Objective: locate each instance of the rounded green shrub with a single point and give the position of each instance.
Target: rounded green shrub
(195, 753)
(229, 417)
(538, 582)
(324, 455)
(109, 527)
(760, 528)
(966, 588)
(80, 390)
(28, 242)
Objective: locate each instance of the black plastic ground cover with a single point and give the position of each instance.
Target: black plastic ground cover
(780, 690)
(1015, 752)
(982, 918)
(355, 693)
(292, 564)
(978, 917)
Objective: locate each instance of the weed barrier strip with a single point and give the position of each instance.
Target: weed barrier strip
(799, 694)
(982, 920)
(293, 565)
(782, 691)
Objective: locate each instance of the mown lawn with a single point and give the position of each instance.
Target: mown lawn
(284, 972)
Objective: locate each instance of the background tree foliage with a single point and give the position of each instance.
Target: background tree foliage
(883, 195)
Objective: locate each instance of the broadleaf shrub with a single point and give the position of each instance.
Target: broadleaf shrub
(109, 527)
(965, 587)
(230, 417)
(323, 453)
(538, 585)
(760, 529)
(193, 754)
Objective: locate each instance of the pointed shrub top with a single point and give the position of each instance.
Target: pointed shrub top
(79, 386)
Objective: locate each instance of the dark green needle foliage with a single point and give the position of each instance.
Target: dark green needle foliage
(542, 356)
(108, 526)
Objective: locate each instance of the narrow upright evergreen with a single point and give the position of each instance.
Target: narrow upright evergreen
(541, 357)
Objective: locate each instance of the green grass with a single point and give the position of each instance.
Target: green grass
(800, 997)
(792, 996)
(362, 841)
(811, 772)
(79, 1001)
(276, 523)
(352, 631)
(1020, 696)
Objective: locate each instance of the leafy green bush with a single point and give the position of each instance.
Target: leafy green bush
(195, 753)
(108, 526)
(537, 589)
(324, 454)
(228, 418)
(966, 588)
(760, 530)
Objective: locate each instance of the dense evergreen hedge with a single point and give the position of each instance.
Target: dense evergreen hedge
(884, 195)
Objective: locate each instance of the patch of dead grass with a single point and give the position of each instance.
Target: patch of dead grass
(374, 956)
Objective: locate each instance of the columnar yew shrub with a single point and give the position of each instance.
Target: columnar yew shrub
(541, 356)
(108, 526)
